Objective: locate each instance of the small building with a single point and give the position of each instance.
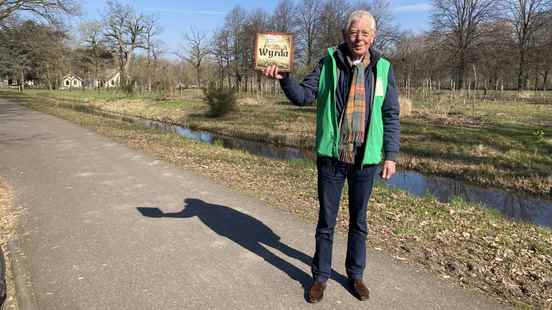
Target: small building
(71, 81)
(113, 79)
(110, 78)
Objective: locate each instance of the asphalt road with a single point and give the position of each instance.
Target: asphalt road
(106, 227)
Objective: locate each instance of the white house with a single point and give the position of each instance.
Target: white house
(110, 78)
(71, 81)
(113, 79)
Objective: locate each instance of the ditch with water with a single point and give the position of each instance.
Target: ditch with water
(515, 206)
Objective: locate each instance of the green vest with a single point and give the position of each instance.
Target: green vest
(327, 127)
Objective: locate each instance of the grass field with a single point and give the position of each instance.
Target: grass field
(474, 246)
(505, 144)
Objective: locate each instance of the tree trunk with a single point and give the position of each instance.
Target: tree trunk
(149, 77)
(124, 73)
(535, 87)
(522, 82)
(545, 79)
(198, 75)
(149, 69)
(460, 71)
(48, 77)
(22, 84)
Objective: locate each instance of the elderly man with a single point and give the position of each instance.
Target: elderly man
(357, 120)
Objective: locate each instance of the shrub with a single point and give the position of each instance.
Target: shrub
(220, 100)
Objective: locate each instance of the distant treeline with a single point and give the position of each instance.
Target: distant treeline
(481, 44)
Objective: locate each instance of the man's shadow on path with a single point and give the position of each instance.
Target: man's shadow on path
(248, 232)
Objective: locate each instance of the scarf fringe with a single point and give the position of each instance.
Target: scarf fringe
(347, 154)
(357, 138)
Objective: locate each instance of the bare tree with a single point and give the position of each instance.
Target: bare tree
(196, 51)
(51, 10)
(387, 31)
(92, 40)
(409, 56)
(221, 51)
(309, 14)
(284, 18)
(125, 31)
(547, 63)
(234, 28)
(257, 21)
(333, 16)
(457, 24)
(151, 31)
(527, 18)
(495, 57)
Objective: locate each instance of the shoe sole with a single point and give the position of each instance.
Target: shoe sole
(314, 301)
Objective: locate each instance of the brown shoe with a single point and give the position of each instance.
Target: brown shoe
(316, 292)
(360, 290)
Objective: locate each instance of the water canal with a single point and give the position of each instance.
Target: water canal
(516, 206)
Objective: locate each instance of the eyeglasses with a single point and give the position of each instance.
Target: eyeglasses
(359, 34)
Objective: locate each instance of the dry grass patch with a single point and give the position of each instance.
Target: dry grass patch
(406, 106)
(8, 219)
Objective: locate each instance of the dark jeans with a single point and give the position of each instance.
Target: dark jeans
(331, 178)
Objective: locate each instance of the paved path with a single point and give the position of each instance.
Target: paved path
(107, 227)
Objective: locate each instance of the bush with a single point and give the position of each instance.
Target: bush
(220, 100)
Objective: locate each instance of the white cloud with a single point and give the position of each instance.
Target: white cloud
(420, 7)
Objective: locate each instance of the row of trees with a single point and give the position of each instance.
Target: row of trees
(29, 48)
(488, 43)
(316, 25)
(472, 43)
(52, 11)
(40, 49)
(226, 55)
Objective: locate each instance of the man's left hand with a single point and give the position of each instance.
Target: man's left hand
(389, 168)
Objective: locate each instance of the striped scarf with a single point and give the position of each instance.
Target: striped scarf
(353, 120)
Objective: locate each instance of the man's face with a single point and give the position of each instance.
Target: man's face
(359, 37)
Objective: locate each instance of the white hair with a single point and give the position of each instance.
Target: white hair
(361, 14)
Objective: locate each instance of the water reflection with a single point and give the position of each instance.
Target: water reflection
(253, 147)
(194, 135)
(514, 206)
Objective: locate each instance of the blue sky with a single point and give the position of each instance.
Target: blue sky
(176, 17)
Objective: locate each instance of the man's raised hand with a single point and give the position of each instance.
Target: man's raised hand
(272, 72)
